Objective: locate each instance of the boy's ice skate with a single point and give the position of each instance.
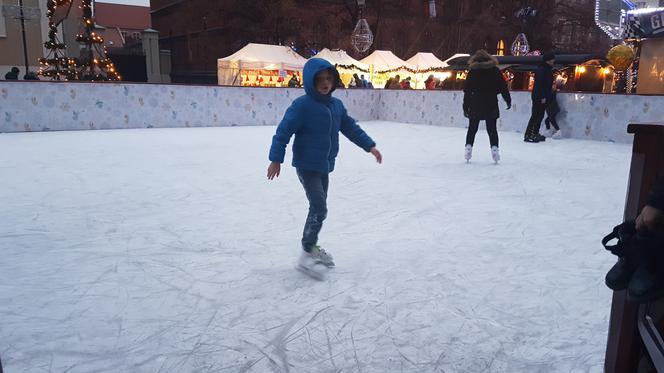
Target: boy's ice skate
(311, 267)
(556, 135)
(322, 256)
(495, 154)
(469, 153)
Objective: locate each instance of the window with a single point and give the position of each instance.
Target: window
(125, 35)
(136, 35)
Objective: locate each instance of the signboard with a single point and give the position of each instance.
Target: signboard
(644, 23)
(609, 15)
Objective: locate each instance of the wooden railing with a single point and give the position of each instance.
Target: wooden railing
(633, 334)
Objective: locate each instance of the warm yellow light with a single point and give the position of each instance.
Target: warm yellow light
(606, 71)
(582, 69)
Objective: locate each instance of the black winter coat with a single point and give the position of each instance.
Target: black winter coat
(543, 87)
(482, 86)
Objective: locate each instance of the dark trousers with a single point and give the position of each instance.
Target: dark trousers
(551, 121)
(536, 118)
(474, 125)
(315, 186)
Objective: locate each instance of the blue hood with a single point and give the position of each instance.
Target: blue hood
(313, 67)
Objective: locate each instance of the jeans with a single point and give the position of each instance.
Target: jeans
(315, 186)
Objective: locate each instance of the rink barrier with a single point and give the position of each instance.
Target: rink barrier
(58, 106)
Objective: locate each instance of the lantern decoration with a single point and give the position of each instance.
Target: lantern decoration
(520, 46)
(621, 57)
(362, 38)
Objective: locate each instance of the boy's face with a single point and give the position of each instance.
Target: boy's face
(324, 82)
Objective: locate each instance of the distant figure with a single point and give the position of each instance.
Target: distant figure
(293, 82)
(405, 84)
(359, 83)
(31, 76)
(365, 83)
(13, 74)
(430, 83)
(394, 83)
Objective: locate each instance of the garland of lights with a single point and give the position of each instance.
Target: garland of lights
(56, 65)
(352, 67)
(91, 68)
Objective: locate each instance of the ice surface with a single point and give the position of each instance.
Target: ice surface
(169, 251)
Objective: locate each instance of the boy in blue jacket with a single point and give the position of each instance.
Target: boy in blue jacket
(316, 120)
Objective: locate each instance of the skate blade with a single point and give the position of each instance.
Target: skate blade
(320, 276)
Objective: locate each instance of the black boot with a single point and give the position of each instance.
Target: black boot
(620, 274)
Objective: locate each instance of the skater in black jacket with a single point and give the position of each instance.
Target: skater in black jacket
(483, 84)
(541, 96)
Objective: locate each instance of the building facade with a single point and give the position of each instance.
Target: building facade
(198, 32)
(11, 38)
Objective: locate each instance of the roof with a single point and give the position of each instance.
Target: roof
(128, 17)
(340, 57)
(265, 57)
(384, 61)
(530, 63)
(426, 61)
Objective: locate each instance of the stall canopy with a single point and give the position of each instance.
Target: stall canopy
(530, 63)
(258, 57)
(340, 58)
(386, 61)
(426, 62)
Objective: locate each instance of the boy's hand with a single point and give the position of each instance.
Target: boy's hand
(273, 170)
(376, 153)
(650, 219)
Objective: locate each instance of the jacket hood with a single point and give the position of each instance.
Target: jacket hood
(311, 69)
(482, 60)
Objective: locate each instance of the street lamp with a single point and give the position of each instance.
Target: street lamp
(22, 14)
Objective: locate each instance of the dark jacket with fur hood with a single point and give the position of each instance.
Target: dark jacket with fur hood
(483, 84)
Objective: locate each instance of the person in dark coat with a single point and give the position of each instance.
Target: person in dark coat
(552, 110)
(483, 83)
(394, 83)
(405, 84)
(358, 82)
(13, 74)
(430, 83)
(293, 82)
(542, 94)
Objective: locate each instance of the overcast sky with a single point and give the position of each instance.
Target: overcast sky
(128, 2)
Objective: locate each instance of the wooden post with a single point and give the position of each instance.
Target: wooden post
(625, 346)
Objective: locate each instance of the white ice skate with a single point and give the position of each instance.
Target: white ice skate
(495, 154)
(556, 135)
(469, 153)
(311, 267)
(322, 256)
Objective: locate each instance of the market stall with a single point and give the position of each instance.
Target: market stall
(260, 65)
(427, 64)
(384, 65)
(345, 64)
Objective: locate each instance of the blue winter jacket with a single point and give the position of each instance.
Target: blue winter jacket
(316, 120)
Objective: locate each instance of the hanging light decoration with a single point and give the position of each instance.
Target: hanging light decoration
(362, 37)
(520, 47)
(432, 9)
